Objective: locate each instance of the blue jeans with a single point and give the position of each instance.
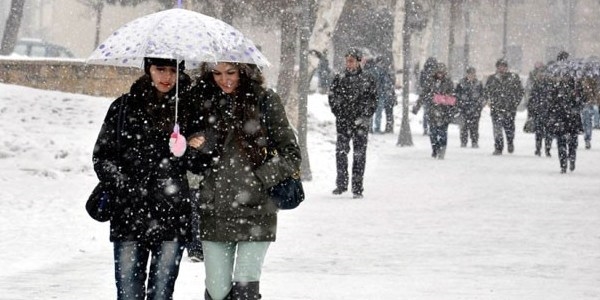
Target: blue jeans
(131, 260)
(224, 266)
(587, 115)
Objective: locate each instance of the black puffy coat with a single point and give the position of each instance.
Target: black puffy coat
(504, 93)
(353, 98)
(153, 202)
(469, 98)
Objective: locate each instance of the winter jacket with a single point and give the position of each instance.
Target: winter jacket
(504, 93)
(541, 92)
(353, 98)
(469, 98)
(153, 203)
(564, 108)
(234, 202)
(438, 114)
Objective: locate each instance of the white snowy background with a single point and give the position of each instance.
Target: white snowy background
(472, 226)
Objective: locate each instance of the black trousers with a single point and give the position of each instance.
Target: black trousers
(503, 123)
(567, 149)
(351, 132)
(469, 126)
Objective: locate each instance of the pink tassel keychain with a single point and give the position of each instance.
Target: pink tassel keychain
(177, 142)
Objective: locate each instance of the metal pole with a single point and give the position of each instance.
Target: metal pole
(505, 26)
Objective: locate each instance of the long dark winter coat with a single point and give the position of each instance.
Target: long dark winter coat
(234, 203)
(469, 98)
(504, 93)
(438, 114)
(564, 109)
(153, 198)
(353, 98)
(537, 105)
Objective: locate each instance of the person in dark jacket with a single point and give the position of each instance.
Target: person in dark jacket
(353, 99)
(537, 110)
(469, 96)
(386, 95)
(248, 146)
(323, 70)
(425, 80)
(440, 114)
(564, 120)
(150, 219)
(504, 91)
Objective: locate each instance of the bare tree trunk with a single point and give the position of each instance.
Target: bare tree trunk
(11, 30)
(454, 4)
(304, 20)
(328, 14)
(99, 8)
(227, 11)
(287, 59)
(467, 16)
(405, 136)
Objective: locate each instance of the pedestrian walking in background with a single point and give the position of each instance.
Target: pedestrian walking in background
(503, 91)
(537, 109)
(590, 93)
(440, 112)
(386, 94)
(323, 70)
(469, 96)
(151, 218)
(353, 99)
(248, 146)
(425, 81)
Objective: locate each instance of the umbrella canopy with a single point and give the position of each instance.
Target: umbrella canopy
(576, 68)
(176, 34)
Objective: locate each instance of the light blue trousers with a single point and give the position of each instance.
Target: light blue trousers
(226, 262)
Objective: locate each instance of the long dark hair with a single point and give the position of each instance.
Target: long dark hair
(245, 109)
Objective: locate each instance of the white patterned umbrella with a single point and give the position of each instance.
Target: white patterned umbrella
(576, 68)
(176, 34)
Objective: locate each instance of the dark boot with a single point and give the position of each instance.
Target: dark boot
(245, 291)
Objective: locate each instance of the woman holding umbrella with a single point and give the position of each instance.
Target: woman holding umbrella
(150, 219)
(243, 125)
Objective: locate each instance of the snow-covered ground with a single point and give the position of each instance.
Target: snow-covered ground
(472, 226)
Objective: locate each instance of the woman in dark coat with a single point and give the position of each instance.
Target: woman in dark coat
(241, 122)
(537, 110)
(564, 120)
(439, 115)
(150, 218)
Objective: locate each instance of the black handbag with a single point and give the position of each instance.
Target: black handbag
(289, 193)
(99, 204)
(100, 201)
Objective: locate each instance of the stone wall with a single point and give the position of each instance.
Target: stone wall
(69, 76)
